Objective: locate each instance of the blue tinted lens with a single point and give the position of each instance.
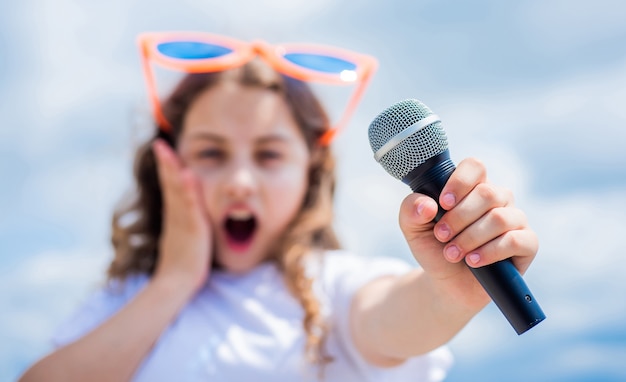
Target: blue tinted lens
(192, 50)
(326, 64)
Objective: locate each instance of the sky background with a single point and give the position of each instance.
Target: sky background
(535, 89)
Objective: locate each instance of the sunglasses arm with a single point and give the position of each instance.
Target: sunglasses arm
(152, 90)
(353, 102)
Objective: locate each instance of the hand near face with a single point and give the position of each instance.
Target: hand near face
(186, 239)
(481, 226)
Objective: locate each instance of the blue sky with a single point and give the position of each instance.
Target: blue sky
(535, 89)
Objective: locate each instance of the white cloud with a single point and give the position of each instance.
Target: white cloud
(577, 275)
(37, 294)
(565, 25)
(257, 13)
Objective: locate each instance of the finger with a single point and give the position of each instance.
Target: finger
(519, 245)
(497, 222)
(416, 214)
(191, 186)
(169, 170)
(175, 179)
(482, 199)
(168, 165)
(465, 177)
(182, 202)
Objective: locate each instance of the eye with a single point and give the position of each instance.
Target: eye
(211, 153)
(269, 154)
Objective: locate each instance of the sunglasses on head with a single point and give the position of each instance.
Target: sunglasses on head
(197, 52)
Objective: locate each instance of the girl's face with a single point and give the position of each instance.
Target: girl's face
(252, 160)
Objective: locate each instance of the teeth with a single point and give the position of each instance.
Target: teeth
(240, 215)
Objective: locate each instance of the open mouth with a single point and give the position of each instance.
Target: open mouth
(240, 227)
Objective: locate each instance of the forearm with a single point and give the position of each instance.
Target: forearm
(400, 317)
(114, 350)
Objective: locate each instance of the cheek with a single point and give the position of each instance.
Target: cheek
(208, 192)
(287, 191)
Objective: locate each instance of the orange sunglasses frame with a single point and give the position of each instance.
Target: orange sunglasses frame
(242, 52)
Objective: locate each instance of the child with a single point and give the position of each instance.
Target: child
(227, 267)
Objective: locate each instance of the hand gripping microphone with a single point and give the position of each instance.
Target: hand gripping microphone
(408, 141)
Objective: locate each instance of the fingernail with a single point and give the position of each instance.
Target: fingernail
(452, 252)
(443, 232)
(474, 258)
(420, 208)
(448, 199)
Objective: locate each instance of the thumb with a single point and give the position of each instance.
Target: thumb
(417, 212)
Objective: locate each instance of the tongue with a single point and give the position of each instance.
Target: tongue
(240, 230)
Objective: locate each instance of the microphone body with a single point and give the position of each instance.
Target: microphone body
(418, 155)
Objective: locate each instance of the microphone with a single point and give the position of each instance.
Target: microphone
(409, 142)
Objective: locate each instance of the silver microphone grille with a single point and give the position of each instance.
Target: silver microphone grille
(405, 135)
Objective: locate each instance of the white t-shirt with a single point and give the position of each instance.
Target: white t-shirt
(249, 328)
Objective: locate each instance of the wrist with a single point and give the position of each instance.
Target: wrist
(465, 297)
(173, 284)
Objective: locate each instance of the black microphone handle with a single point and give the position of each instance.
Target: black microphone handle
(501, 280)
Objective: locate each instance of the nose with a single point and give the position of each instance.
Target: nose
(241, 182)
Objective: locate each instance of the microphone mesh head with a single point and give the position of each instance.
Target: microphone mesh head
(415, 149)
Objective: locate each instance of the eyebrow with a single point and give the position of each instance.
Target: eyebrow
(274, 138)
(207, 136)
(264, 139)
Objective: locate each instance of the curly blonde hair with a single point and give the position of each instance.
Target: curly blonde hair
(136, 243)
